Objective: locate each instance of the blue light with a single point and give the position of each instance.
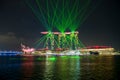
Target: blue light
(9, 53)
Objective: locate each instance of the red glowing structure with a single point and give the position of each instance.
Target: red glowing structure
(44, 32)
(97, 47)
(27, 49)
(57, 33)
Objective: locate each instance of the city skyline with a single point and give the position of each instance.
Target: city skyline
(19, 25)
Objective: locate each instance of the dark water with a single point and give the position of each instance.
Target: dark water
(60, 68)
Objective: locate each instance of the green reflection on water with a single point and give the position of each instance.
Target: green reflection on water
(51, 58)
(77, 57)
(65, 57)
(18, 58)
(39, 58)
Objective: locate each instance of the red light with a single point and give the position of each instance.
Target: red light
(44, 32)
(97, 47)
(56, 33)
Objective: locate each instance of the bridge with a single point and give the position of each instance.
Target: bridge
(9, 53)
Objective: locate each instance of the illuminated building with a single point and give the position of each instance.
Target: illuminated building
(61, 41)
(102, 50)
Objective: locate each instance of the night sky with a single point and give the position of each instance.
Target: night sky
(19, 25)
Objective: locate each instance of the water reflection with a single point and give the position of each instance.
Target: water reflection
(49, 68)
(10, 68)
(97, 68)
(68, 68)
(27, 67)
(60, 68)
